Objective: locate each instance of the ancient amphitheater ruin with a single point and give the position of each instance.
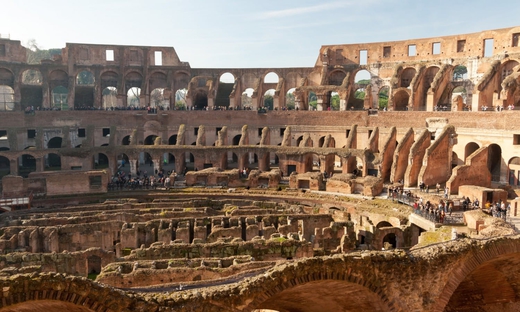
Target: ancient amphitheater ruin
(133, 182)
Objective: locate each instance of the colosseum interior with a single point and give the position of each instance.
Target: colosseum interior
(133, 182)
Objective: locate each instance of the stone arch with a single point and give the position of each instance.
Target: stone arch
(157, 80)
(31, 90)
(172, 140)
(246, 99)
(289, 99)
(81, 295)
(494, 161)
(6, 77)
(336, 77)
(6, 98)
(150, 140)
(109, 97)
(52, 162)
(55, 142)
(271, 77)
(362, 75)
(382, 97)
(406, 77)
(84, 90)
(109, 79)
(59, 100)
(268, 99)
(391, 239)
(58, 78)
(309, 277)
(401, 98)
(180, 99)
(101, 161)
(507, 69)
(5, 166)
(85, 78)
(168, 162)
(159, 98)
(469, 149)
(236, 139)
(125, 140)
(94, 264)
(200, 99)
(384, 224)
(513, 174)
(26, 164)
(133, 97)
(468, 275)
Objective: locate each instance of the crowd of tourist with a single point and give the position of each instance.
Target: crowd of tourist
(142, 180)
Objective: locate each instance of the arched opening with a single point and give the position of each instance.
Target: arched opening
(100, 161)
(455, 161)
(168, 162)
(109, 95)
(150, 140)
(469, 149)
(383, 224)
(5, 166)
(126, 140)
(159, 99)
(172, 140)
(507, 69)
(312, 100)
(390, 240)
(232, 160)
(268, 99)
(362, 78)
(488, 286)
(383, 98)
(236, 139)
(426, 83)
(253, 161)
(494, 161)
(145, 164)
(59, 98)
(299, 140)
(225, 87)
(336, 77)
(133, 97)
(406, 77)
(133, 84)
(180, 99)
(46, 306)
(26, 165)
(122, 162)
(94, 266)
(31, 90)
(289, 99)
(55, 142)
(246, 99)
(322, 295)
(200, 101)
(190, 162)
(514, 171)
(459, 98)
(271, 77)
(84, 90)
(6, 98)
(52, 162)
(401, 98)
(334, 101)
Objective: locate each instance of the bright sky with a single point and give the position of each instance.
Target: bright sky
(247, 33)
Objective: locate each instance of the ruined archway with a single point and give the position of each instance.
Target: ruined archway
(401, 98)
(59, 98)
(109, 98)
(225, 87)
(84, 90)
(26, 165)
(383, 97)
(514, 171)
(31, 89)
(5, 166)
(159, 99)
(100, 161)
(6, 98)
(246, 99)
(172, 140)
(469, 149)
(494, 161)
(289, 99)
(200, 99)
(133, 97)
(150, 140)
(406, 77)
(125, 140)
(318, 296)
(336, 77)
(55, 142)
(52, 162)
(268, 99)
